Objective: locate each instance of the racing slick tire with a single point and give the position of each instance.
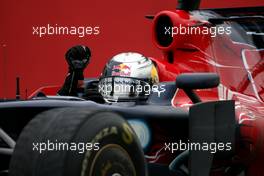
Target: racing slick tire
(111, 146)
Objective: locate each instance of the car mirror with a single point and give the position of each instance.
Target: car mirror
(190, 81)
(197, 80)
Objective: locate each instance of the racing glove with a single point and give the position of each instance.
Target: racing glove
(77, 58)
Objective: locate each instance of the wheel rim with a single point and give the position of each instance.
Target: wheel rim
(108, 165)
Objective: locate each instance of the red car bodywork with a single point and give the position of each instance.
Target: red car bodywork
(241, 70)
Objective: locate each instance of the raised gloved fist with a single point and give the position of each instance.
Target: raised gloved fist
(78, 57)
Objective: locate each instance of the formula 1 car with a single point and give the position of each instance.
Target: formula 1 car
(201, 125)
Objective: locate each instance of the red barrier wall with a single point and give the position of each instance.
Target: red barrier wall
(39, 61)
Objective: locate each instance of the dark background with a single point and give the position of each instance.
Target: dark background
(40, 61)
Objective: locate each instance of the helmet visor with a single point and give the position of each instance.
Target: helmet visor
(123, 88)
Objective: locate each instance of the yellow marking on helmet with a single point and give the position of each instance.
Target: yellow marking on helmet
(154, 75)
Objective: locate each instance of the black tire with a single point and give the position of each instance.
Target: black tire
(118, 151)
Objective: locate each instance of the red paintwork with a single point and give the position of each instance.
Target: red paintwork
(122, 25)
(47, 90)
(225, 57)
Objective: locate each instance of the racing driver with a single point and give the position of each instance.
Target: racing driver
(128, 77)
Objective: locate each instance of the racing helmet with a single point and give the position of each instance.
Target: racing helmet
(128, 77)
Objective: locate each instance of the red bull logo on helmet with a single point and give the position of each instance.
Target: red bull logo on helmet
(121, 70)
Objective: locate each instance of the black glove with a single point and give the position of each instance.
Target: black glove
(78, 57)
